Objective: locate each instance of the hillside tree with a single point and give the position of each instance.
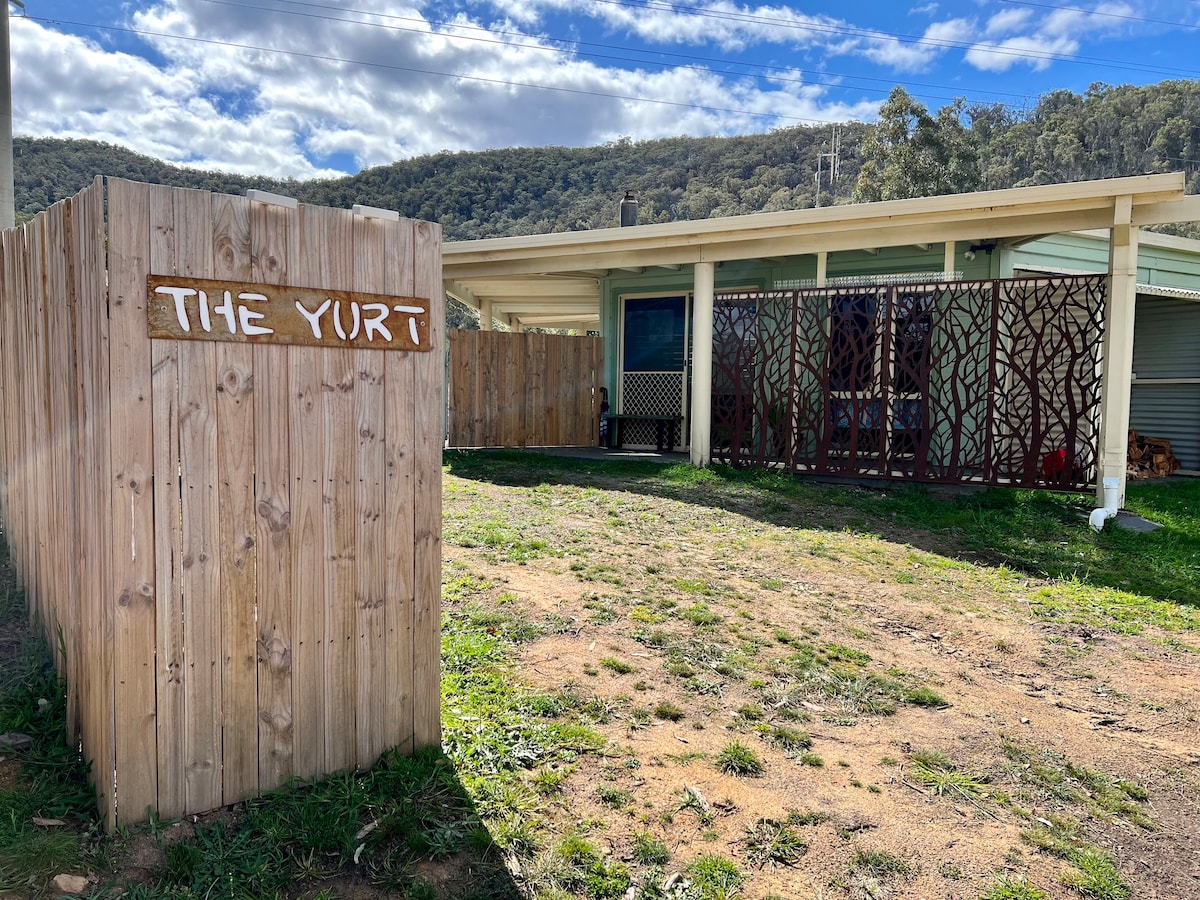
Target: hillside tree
(909, 152)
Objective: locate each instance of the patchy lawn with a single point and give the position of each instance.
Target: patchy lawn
(662, 682)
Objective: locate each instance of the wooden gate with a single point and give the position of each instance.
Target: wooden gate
(240, 541)
(524, 390)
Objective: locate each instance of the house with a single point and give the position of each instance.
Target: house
(1165, 390)
(982, 338)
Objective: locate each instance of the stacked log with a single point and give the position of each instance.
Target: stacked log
(1149, 457)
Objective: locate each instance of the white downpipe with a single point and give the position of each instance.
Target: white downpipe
(1112, 501)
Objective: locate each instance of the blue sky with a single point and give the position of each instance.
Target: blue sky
(313, 88)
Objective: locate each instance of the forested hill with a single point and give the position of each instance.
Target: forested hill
(1107, 132)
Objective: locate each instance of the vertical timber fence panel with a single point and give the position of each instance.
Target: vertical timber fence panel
(524, 390)
(231, 540)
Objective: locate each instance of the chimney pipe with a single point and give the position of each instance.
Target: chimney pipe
(629, 210)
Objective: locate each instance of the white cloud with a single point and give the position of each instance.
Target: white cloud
(398, 87)
(1037, 42)
(1036, 52)
(950, 31)
(396, 80)
(1006, 21)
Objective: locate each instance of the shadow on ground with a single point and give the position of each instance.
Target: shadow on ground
(1039, 533)
(405, 828)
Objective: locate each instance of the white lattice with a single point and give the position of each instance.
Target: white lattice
(649, 394)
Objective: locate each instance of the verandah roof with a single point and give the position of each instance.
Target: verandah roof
(550, 279)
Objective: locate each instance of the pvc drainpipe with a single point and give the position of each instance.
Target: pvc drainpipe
(1101, 514)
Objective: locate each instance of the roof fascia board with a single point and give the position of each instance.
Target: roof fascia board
(891, 236)
(795, 242)
(1144, 189)
(853, 234)
(1183, 209)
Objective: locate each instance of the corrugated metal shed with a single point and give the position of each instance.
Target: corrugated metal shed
(1165, 398)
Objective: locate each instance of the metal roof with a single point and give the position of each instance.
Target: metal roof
(555, 278)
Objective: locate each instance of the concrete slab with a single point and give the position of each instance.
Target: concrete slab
(1130, 522)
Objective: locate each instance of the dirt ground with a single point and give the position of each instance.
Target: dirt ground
(1031, 701)
(657, 599)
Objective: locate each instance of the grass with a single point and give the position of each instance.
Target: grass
(1007, 888)
(879, 863)
(941, 775)
(714, 878)
(668, 711)
(517, 757)
(1094, 875)
(617, 666)
(649, 851)
(770, 842)
(52, 781)
(737, 759)
(1142, 578)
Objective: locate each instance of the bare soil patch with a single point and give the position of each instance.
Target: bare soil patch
(709, 610)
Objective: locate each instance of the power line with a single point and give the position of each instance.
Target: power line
(1099, 12)
(906, 38)
(458, 75)
(482, 79)
(776, 22)
(772, 76)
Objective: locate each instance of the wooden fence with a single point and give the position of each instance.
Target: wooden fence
(239, 543)
(524, 390)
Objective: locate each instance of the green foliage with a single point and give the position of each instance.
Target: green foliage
(910, 153)
(617, 666)
(649, 851)
(942, 776)
(1007, 888)
(737, 759)
(1107, 131)
(52, 781)
(668, 711)
(1094, 874)
(769, 842)
(789, 739)
(714, 878)
(879, 863)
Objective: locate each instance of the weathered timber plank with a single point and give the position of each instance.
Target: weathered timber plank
(399, 510)
(231, 259)
(339, 388)
(132, 523)
(200, 578)
(428, 391)
(95, 491)
(274, 246)
(171, 665)
(370, 596)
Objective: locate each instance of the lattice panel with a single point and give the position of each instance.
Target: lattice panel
(649, 393)
(995, 381)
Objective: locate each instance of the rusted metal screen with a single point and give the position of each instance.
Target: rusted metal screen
(989, 382)
(238, 543)
(524, 390)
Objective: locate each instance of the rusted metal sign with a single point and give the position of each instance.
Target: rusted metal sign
(200, 309)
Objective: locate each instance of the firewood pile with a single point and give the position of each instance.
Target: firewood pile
(1149, 457)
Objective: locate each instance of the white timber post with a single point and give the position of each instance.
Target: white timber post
(822, 267)
(485, 315)
(1117, 377)
(948, 266)
(702, 375)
